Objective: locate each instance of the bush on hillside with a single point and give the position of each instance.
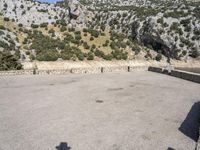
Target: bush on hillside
(34, 26)
(48, 55)
(9, 61)
(158, 57)
(6, 19)
(194, 53)
(43, 25)
(90, 56)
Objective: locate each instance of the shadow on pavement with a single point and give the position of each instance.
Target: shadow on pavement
(190, 126)
(169, 148)
(63, 146)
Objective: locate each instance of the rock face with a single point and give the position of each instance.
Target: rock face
(31, 12)
(74, 9)
(168, 27)
(152, 39)
(8, 41)
(174, 26)
(157, 44)
(77, 12)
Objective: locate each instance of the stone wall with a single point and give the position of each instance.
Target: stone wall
(17, 72)
(194, 77)
(76, 70)
(52, 72)
(90, 70)
(80, 67)
(65, 65)
(91, 67)
(155, 69)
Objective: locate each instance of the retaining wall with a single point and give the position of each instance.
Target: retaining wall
(194, 77)
(90, 70)
(17, 72)
(51, 72)
(76, 70)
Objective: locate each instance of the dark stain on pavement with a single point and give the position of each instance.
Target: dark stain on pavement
(115, 89)
(99, 101)
(169, 148)
(63, 146)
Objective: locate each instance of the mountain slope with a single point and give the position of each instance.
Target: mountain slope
(102, 29)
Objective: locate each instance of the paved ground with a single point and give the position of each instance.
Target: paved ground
(114, 111)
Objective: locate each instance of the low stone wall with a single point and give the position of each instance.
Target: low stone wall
(138, 68)
(90, 70)
(194, 77)
(75, 70)
(115, 69)
(16, 72)
(51, 72)
(155, 69)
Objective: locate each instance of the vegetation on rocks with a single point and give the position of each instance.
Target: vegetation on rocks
(9, 61)
(109, 30)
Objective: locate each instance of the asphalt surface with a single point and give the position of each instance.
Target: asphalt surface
(113, 111)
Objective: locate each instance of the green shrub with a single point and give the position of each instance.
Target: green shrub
(94, 33)
(136, 49)
(99, 53)
(175, 14)
(75, 41)
(194, 53)
(113, 45)
(108, 57)
(93, 46)
(184, 52)
(2, 27)
(160, 20)
(27, 53)
(119, 54)
(103, 27)
(42, 42)
(86, 46)
(196, 31)
(9, 61)
(68, 37)
(80, 56)
(77, 32)
(91, 39)
(158, 57)
(6, 19)
(90, 56)
(77, 36)
(71, 29)
(185, 22)
(85, 30)
(32, 57)
(34, 26)
(20, 25)
(43, 25)
(49, 55)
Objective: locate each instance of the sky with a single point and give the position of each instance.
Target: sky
(50, 1)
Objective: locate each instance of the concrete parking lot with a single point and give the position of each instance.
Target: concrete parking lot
(112, 111)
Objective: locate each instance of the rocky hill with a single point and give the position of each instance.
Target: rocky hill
(100, 30)
(29, 12)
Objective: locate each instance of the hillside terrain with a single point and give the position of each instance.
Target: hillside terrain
(159, 30)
